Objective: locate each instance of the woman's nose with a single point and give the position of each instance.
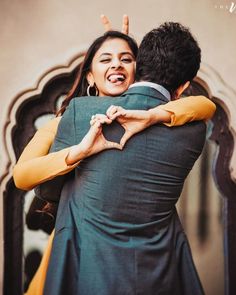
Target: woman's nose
(115, 63)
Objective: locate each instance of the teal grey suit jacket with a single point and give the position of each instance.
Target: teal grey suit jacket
(117, 230)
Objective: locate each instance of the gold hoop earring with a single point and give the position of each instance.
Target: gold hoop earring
(93, 88)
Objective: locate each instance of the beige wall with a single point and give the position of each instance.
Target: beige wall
(38, 35)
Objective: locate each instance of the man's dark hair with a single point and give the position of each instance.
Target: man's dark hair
(169, 56)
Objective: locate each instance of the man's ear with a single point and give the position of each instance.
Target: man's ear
(90, 79)
(181, 89)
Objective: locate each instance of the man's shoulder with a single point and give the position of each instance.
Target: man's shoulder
(83, 100)
(86, 106)
(94, 99)
(191, 128)
(190, 134)
(193, 133)
(128, 100)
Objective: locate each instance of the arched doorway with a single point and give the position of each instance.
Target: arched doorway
(41, 101)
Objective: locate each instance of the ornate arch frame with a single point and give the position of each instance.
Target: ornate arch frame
(224, 133)
(13, 284)
(224, 168)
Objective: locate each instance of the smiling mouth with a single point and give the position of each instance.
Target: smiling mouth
(113, 78)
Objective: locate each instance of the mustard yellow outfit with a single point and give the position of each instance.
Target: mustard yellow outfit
(37, 283)
(36, 166)
(35, 157)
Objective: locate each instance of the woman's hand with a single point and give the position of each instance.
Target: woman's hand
(93, 142)
(107, 24)
(134, 121)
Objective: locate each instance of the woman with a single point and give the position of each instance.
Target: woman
(114, 226)
(67, 159)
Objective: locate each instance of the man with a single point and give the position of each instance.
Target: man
(117, 230)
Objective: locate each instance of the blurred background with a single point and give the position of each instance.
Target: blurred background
(41, 45)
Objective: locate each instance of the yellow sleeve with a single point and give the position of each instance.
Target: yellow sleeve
(35, 165)
(187, 109)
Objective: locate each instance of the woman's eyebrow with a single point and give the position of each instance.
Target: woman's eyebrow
(105, 53)
(128, 53)
(120, 53)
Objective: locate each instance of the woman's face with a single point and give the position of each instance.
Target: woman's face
(113, 68)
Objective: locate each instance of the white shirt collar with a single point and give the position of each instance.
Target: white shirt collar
(158, 87)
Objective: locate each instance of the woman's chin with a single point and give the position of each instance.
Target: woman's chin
(118, 90)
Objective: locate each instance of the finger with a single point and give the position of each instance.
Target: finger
(115, 115)
(113, 145)
(106, 23)
(99, 116)
(125, 24)
(119, 112)
(95, 129)
(103, 119)
(92, 120)
(125, 138)
(96, 125)
(112, 110)
(109, 110)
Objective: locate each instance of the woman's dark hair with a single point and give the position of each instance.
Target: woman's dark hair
(80, 85)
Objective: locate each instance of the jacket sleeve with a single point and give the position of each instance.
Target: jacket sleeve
(35, 165)
(50, 190)
(66, 132)
(187, 109)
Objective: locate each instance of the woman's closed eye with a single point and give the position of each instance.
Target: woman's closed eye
(105, 60)
(127, 60)
(123, 59)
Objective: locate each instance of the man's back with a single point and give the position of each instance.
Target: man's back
(129, 239)
(147, 176)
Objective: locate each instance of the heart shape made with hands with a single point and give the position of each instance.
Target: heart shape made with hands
(125, 123)
(113, 132)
